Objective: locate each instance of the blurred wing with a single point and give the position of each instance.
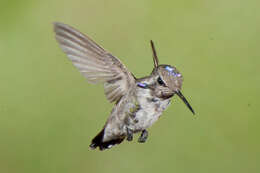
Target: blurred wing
(95, 63)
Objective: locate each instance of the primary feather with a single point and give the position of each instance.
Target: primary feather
(95, 63)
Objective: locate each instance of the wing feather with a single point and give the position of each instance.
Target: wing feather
(95, 63)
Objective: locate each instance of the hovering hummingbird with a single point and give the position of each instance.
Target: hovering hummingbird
(139, 102)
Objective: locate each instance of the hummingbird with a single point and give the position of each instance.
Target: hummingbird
(138, 102)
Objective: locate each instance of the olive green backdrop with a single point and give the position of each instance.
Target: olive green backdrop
(49, 113)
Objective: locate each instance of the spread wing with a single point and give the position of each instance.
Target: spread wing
(95, 63)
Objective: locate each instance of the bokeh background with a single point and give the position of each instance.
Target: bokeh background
(49, 113)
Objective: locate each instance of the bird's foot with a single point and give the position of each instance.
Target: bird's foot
(129, 134)
(143, 137)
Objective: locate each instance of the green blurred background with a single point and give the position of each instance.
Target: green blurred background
(49, 113)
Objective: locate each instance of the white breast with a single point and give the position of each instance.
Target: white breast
(151, 109)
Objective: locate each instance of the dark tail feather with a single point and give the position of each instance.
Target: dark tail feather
(98, 142)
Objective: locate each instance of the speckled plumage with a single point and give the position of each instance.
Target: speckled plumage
(138, 102)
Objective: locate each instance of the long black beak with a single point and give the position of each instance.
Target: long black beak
(185, 101)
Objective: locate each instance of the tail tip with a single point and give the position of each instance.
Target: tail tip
(98, 142)
(93, 146)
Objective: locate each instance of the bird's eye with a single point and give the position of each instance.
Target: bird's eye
(160, 81)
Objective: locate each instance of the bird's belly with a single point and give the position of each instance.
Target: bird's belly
(145, 119)
(149, 114)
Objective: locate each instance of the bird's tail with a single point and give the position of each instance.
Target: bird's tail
(98, 141)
